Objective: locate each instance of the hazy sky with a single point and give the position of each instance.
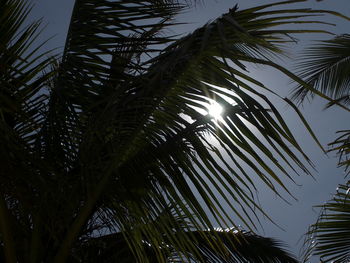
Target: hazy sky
(296, 217)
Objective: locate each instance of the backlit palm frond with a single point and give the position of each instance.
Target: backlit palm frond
(238, 247)
(326, 68)
(104, 44)
(126, 131)
(242, 247)
(329, 236)
(149, 130)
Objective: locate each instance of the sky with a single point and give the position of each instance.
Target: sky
(295, 217)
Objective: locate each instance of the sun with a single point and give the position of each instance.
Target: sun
(215, 109)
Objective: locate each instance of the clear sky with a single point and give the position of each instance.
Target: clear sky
(294, 218)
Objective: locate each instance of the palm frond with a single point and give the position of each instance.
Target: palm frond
(244, 247)
(149, 130)
(342, 146)
(22, 104)
(105, 43)
(238, 246)
(326, 68)
(121, 137)
(21, 68)
(329, 236)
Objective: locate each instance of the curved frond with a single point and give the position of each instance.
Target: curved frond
(149, 128)
(124, 133)
(238, 247)
(21, 67)
(326, 68)
(329, 236)
(22, 107)
(133, 126)
(342, 146)
(104, 46)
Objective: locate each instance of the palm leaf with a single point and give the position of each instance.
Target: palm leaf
(148, 130)
(121, 138)
(342, 147)
(326, 68)
(239, 246)
(329, 236)
(21, 106)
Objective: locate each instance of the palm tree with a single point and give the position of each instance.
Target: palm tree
(105, 148)
(326, 68)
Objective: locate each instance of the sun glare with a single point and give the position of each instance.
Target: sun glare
(215, 109)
